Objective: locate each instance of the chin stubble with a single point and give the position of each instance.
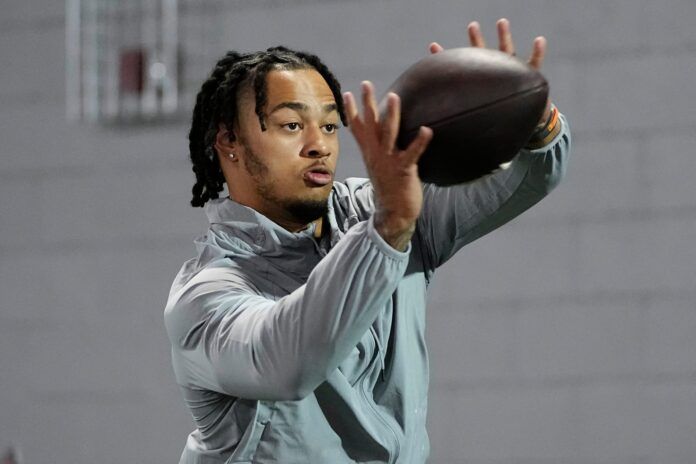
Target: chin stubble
(304, 211)
(307, 211)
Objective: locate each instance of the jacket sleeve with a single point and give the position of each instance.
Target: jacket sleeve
(228, 339)
(455, 216)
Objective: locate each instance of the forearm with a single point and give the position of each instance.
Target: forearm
(257, 348)
(455, 216)
(341, 299)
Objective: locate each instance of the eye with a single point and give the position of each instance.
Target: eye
(292, 126)
(330, 128)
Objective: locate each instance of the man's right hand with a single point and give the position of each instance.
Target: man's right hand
(393, 172)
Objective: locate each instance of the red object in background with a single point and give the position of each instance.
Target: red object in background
(131, 71)
(9, 457)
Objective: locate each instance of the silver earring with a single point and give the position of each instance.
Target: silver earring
(231, 155)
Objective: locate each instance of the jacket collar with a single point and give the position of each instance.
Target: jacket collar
(250, 225)
(239, 230)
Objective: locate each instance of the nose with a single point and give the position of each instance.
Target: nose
(315, 144)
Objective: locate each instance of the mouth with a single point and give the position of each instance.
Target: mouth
(318, 176)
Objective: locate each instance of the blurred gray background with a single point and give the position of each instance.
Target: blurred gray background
(568, 336)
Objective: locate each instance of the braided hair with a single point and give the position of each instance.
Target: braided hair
(216, 104)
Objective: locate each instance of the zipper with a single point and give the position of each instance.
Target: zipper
(373, 406)
(384, 422)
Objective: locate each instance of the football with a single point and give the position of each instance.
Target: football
(483, 106)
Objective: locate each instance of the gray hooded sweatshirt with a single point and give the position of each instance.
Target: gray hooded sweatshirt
(294, 350)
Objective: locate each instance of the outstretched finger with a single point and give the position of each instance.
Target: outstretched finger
(417, 147)
(354, 123)
(475, 35)
(350, 107)
(390, 124)
(505, 37)
(538, 53)
(371, 116)
(435, 48)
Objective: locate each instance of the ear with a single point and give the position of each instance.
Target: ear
(226, 143)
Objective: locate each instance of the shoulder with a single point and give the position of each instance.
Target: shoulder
(199, 297)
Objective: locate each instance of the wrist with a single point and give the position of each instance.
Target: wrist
(397, 232)
(546, 131)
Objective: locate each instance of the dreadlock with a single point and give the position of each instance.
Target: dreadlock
(216, 104)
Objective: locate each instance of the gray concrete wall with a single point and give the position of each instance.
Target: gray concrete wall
(565, 337)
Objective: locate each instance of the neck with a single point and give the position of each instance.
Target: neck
(294, 226)
(283, 219)
(317, 232)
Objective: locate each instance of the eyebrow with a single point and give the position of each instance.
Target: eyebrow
(301, 107)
